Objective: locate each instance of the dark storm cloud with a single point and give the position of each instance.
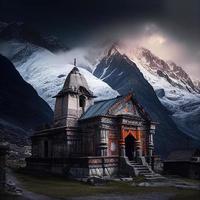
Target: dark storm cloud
(69, 17)
(77, 20)
(80, 9)
(79, 16)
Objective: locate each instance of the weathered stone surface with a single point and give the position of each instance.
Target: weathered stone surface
(87, 140)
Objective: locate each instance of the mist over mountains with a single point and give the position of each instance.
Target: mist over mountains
(164, 89)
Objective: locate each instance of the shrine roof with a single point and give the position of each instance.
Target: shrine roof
(74, 83)
(100, 107)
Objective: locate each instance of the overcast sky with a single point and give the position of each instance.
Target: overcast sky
(170, 28)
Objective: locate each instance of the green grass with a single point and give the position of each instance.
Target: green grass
(5, 196)
(189, 180)
(186, 195)
(59, 187)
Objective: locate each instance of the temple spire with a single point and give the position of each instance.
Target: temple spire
(75, 62)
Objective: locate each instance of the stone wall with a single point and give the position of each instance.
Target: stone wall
(76, 167)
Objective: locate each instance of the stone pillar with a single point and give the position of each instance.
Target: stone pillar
(122, 147)
(138, 149)
(138, 145)
(151, 144)
(3, 152)
(103, 143)
(122, 143)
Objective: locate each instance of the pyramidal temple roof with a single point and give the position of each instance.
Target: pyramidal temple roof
(75, 83)
(100, 107)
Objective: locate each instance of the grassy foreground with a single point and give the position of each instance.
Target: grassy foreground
(59, 187)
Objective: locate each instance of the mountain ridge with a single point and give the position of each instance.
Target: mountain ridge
(154, 64)
(22, 110)
(124, 76)
(41, 68)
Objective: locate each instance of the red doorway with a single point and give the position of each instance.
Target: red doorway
(130, 147)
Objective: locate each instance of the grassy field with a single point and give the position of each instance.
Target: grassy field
(4, 196)
(59, 187)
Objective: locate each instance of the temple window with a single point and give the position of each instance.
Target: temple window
(82, 101)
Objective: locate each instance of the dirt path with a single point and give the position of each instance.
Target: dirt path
(26, 195)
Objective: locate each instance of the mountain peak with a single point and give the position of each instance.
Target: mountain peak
(123, 75)
(113, 50)
(170, 71)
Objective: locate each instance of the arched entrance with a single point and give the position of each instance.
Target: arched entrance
(130, 147)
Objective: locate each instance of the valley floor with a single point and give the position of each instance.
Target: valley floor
(57, 188)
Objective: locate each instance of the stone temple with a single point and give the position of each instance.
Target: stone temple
(104, 138)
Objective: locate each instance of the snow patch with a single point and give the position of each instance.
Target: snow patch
(42, 69)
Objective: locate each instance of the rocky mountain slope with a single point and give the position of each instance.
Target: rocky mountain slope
(164, 88)
(197, 84)
(46, 71)
(169, 70)
(123, 75)
(21, 108)
(173, 86)
(36, 58)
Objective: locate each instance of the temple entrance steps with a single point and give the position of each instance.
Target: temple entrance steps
(143, 170)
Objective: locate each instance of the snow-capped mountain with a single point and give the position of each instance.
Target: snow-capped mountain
(123, 75)
(109, 71)
(169, 70)
(46, 71)
(173, 86)
(197, 84)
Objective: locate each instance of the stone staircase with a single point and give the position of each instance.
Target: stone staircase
(144, 170)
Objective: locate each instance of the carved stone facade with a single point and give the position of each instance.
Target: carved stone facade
(88, 138)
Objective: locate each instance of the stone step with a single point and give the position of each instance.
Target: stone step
(152, 176)
(142, 168)
(144, 171)
(139, 164)
(136, 164)
(155, 178)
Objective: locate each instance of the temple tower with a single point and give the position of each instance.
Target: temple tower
(74, 99)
